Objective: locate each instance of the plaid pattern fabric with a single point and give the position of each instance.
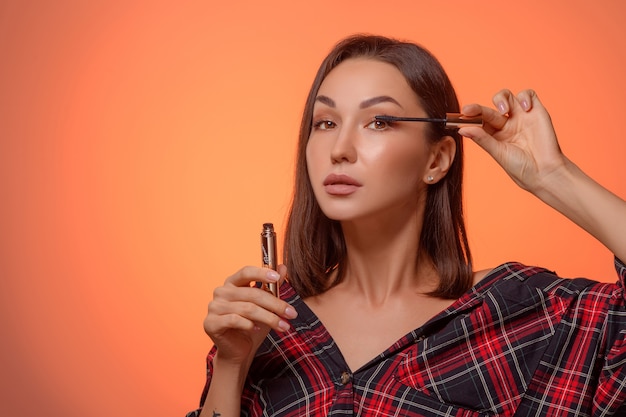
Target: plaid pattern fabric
(522, 342)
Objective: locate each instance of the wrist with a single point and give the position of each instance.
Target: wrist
(229, 371)
(552, 186)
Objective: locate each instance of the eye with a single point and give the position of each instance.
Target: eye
(323, 125)
(379, 125)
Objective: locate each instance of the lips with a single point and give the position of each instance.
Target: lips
(340, 184)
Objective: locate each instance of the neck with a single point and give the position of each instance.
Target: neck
(383, 260)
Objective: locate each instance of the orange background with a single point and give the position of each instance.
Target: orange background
(143, 144)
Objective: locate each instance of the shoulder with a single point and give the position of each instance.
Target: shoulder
(516, 279)
(514, 272)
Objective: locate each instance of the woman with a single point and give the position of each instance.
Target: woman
(381, 313)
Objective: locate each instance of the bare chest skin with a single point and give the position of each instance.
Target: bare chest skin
(362, 330)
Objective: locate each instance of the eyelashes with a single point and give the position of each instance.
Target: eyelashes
(381, 124)
(373, 123)
(323, 125)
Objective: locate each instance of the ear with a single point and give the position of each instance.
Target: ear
(441, 158)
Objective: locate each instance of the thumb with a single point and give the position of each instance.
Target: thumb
(482, 139)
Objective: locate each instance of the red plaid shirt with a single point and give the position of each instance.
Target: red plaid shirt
(522, 342)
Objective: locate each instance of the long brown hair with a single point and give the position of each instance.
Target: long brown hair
(314, 244)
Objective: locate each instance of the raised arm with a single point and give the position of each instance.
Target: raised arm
(519, 135)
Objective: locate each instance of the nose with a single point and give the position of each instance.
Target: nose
(344, 149)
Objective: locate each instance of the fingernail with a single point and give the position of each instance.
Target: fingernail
(502, 107)
(283, 325)
(525, 104)
(463, 132)
(273, 275)
(291, 312)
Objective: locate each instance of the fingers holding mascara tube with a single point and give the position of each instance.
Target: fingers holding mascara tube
(519, 135)
(238, 288)
(240, 315)
(492, 119)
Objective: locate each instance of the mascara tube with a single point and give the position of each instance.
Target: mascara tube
(452, 120)
(458, 120)
(268, 253)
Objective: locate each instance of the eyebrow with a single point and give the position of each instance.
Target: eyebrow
(364, 104)
(380, 99)
(326, 100)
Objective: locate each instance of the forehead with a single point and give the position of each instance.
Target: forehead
(358, 79)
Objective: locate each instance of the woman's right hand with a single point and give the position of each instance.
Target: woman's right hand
(240, 315)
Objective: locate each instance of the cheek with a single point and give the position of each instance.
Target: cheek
(405, 174)
(309, 157)
(406, 171)
(405, 164)
(314, 166)
(314, 157)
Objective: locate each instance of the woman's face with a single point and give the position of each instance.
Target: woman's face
(360, 168)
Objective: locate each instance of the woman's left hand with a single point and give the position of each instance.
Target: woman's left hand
(519, 135)
(521, 138)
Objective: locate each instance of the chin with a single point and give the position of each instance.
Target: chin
(339, 212)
